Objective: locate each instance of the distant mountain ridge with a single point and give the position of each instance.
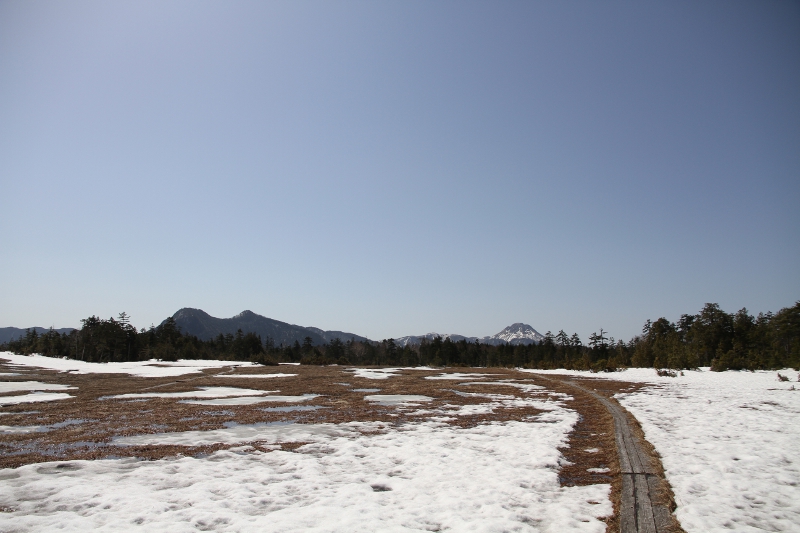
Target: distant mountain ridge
(10, 334)
(205, 327)
(517, 333)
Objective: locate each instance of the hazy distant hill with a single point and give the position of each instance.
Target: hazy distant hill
(9, 334)
(518, 333)
(204, 326)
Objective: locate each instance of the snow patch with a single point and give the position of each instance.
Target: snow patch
(375, 373)
(250, 400)
(14, 386)
(203, 392)
(34, 397)
(146, 369)
(20, 430)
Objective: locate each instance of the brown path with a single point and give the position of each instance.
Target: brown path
(646, 496)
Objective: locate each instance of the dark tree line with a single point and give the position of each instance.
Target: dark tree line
(721, 340)
(712, 338)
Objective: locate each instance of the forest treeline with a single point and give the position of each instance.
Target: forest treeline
(712, 337)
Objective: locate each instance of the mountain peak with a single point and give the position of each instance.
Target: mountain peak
(189, 312)
(519, 333)
(516, 333)
(204, 326)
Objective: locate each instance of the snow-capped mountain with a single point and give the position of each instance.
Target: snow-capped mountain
(518, 333)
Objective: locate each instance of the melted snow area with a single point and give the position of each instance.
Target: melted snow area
(426, 476)
(730, 445)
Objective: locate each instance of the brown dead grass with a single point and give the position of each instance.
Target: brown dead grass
(608, 388)
(105, 419)
(98, 420)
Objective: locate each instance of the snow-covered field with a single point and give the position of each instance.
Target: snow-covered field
(424, 474)
(730, 445)
(729, 441)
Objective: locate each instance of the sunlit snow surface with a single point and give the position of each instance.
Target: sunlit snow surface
(425, 476)
(375, 373)
(730, 445)
(147, 369)
(34, 397)
(17, 386)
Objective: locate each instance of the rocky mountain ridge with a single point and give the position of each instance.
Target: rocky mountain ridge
(205, 327)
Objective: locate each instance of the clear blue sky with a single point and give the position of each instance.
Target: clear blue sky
(395, 168)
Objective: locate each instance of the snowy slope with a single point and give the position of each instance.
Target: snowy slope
(518, 333)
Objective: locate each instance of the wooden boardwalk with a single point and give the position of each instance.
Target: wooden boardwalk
(644, 499)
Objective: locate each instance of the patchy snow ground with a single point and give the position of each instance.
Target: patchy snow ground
(426, 476)
(730, 445)
(344, 477)
(146, 369)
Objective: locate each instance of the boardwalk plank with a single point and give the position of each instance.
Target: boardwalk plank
(645, 523)
(640, 482)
